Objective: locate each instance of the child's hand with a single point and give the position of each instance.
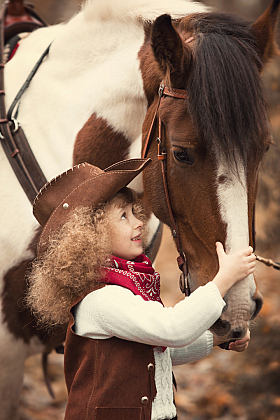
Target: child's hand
(233, 267)
(240, 345)
(238, 265)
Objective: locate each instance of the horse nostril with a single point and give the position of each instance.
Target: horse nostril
(221, 327)
(259, 302)
(237, 332)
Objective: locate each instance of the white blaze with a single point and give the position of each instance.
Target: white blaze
(233, 202)
(232, 195)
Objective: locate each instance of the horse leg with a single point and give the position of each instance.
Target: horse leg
(12, 357)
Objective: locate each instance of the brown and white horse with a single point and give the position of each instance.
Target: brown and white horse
(89, 100)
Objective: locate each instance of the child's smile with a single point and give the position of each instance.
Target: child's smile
(126, 233)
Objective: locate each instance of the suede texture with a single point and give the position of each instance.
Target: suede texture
(108, 379)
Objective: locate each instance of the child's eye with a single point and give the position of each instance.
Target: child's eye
(123, 216)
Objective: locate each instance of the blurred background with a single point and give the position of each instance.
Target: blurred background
(225, 385)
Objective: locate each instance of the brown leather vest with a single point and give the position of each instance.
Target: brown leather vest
(110, 379)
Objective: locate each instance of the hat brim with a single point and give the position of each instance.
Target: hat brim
(91, 193)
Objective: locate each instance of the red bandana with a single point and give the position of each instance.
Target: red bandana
(137, 275)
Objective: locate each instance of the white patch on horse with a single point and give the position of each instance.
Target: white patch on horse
(17, 224)
(233, 201)
(93, 63)
(146, 11)
(85, 66)
(153, 224)
(232, 194)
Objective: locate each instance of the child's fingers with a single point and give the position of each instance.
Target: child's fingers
(240, 345)
(250, 268)
(220, 249)
(251, 257)
(248, 252)
(250, 260)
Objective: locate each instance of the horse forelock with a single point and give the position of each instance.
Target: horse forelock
(226, 100)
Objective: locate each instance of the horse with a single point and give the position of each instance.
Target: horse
(168, 79)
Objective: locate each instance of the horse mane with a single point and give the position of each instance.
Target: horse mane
(225, 89)
(140, 10)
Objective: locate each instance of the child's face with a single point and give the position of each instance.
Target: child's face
(126, 231)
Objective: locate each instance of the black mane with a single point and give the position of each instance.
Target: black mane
(225, 89)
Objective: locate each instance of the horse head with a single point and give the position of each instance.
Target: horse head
(213, 139)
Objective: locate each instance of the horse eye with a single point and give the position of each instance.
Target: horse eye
(184, 156)
(266, 149)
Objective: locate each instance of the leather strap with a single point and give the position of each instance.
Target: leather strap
(181, 260)
(26, 83)
(175, 93)
(13, 140)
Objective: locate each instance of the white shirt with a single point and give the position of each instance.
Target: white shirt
(114, 311)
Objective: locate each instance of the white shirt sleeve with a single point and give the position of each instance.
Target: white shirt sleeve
(195, 351)
(116, 311)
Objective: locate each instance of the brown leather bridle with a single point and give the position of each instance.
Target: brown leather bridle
(162, 158)
(182, 260)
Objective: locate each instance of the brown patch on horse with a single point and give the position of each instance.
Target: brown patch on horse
(94, 139)
(19, 320)
(194, 204)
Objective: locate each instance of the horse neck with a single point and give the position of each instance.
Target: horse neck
(103, 27)
(105, 16)
(83, 40)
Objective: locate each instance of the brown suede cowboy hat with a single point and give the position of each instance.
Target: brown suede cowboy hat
(83, 185)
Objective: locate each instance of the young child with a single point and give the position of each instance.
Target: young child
(121, 341)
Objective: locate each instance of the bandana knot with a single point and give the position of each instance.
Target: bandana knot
(138, 276)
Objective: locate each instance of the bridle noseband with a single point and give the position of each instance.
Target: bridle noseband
(182, 260)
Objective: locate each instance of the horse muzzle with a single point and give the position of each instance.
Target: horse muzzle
(225, 330)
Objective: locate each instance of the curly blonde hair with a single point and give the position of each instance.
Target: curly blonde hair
(71, 267)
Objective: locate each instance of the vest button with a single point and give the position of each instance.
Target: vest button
(150, 367)
(145, 400)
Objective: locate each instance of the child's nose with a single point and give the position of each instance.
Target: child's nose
(138, 223)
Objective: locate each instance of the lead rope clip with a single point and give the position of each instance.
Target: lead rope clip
(183, 281)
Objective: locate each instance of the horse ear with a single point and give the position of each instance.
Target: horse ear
(172, 55)
(264, 30)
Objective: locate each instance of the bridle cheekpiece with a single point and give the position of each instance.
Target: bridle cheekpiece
(181, 260)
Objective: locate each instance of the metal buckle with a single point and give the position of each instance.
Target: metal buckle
(184, 284)
(161, 150)
(183, 281)
(160, 90)
(16, 124)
